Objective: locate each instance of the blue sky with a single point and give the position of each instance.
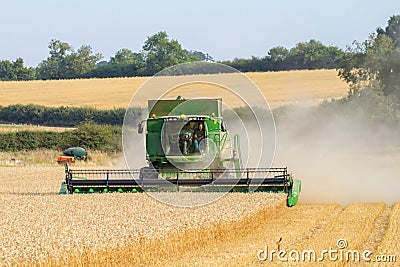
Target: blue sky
(224, 29)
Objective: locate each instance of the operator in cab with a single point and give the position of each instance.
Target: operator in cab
(199, 135)
(186, 139)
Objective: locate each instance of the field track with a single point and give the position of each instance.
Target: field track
(316, 227)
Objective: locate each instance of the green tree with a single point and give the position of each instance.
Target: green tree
(198, 55)
(125, 56)
(392, 30)
(278, 54)
(55, 66)
(64, 63)
(96, 137)
(15, 71)
(6, 71)
(375, 63)
(22, 72)
(313, 55)
(160, 52)
(83, 61)
(278, 57)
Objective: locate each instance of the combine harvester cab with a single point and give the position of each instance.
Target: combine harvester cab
(168, 129)
(176, 163)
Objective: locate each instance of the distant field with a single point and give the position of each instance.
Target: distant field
(279, 88)
(16, 128)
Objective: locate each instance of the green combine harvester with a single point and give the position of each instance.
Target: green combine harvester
(188, 148)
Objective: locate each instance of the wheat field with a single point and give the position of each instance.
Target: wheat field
(279, 88)
(38, 227)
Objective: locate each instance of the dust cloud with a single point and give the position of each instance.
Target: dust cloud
(134, 154)
(339, 158)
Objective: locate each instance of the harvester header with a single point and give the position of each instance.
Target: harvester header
(188, 148)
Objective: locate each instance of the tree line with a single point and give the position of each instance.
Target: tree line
(359, 61)
(92, 136)
(66, 116)
(158, 52)
(75, 116)
(305, 55)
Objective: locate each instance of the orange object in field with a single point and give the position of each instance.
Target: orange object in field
(64, 159)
